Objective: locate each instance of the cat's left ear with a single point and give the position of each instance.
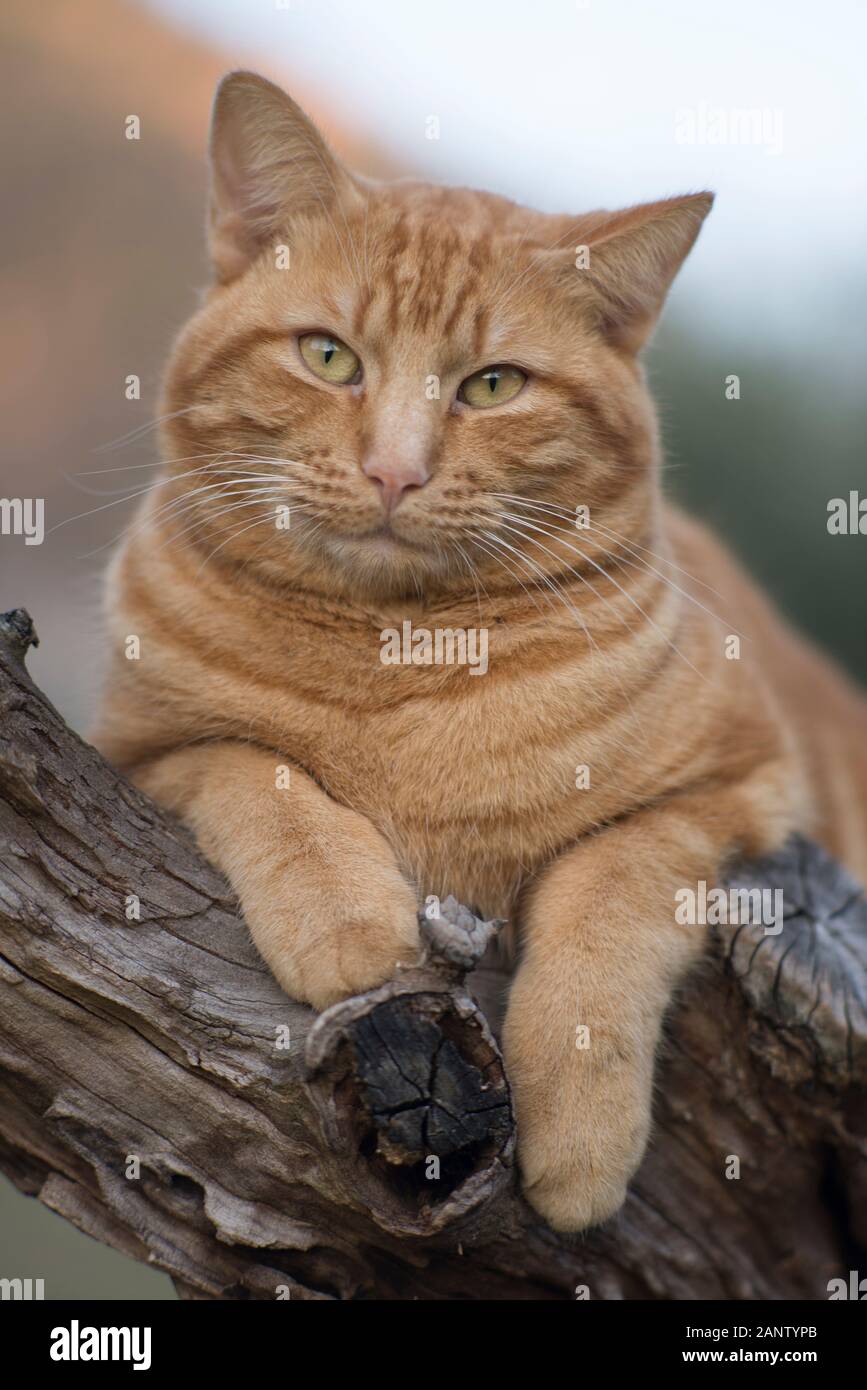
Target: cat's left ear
(268, 163)
(633, 256)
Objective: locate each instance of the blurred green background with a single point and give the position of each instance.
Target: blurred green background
(762, 469)
(562, 105)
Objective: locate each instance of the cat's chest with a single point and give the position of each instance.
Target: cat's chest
(475, 779)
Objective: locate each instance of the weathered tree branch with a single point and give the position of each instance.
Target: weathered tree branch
(308, 1167)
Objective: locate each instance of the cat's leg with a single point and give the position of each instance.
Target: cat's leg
(602, 952)
(321, 892)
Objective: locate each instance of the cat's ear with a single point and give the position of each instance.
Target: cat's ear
(268, 162)
(633, 256)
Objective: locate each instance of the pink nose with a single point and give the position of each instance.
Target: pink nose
(394, 480)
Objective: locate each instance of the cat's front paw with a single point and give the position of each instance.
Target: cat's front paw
(364, 946)
(583, 1119)
(569, 1197)
(333, 931)
(575, 1184)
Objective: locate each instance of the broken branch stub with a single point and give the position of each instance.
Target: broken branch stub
(411, 1077)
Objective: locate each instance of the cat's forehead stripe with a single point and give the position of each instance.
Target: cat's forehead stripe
(428, 281)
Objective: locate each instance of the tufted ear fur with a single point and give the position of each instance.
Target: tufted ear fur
(633, 257)
(268, 162)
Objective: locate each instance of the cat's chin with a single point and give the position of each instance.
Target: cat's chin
(384, 564)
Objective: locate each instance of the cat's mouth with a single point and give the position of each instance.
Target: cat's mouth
(383, 551)
(383, 534)
(393, 555)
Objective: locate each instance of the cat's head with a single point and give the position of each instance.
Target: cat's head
(393, 385)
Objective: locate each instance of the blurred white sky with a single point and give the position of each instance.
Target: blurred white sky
(572, 104)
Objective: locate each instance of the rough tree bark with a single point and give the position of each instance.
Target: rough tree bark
(266, 1169)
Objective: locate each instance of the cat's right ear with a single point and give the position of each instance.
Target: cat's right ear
(268, 162)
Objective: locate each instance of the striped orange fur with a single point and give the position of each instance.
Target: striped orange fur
(337, 792)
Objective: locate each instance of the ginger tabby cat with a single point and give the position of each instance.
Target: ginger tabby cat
(426, 392)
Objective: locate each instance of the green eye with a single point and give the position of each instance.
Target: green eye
(328, 358)
(492, 386)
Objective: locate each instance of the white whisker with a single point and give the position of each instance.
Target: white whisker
(638, 563)
(588, 560)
